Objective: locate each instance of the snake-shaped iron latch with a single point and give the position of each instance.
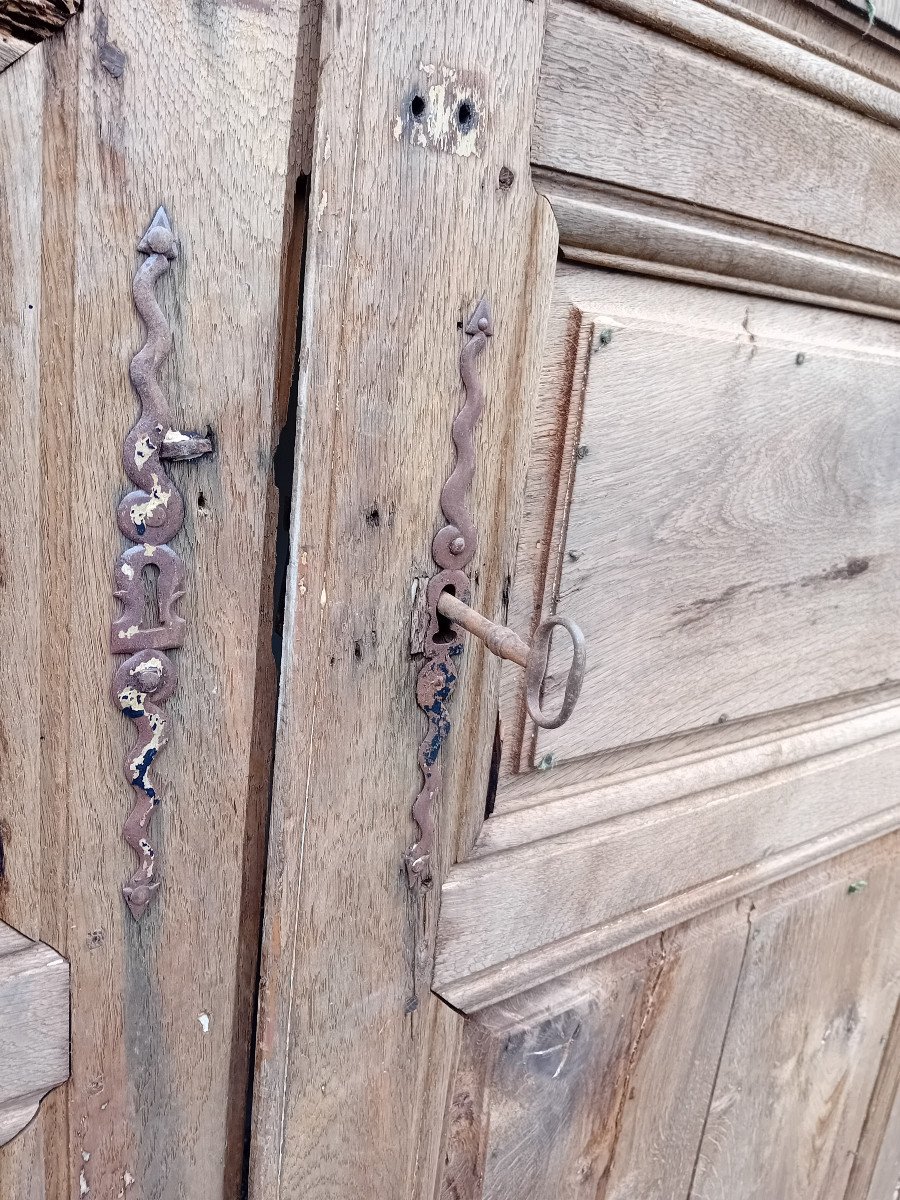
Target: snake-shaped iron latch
(150, 515)
(447, 603)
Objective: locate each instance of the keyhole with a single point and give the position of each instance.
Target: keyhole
(150, 575)
(446, 633)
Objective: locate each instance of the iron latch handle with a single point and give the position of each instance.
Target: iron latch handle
(507, 644)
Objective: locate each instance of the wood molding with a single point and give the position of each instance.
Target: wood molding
(34, 1027)
(602, 224)
(616, 97)
(730, 31)
(24, 23)
(659, 866)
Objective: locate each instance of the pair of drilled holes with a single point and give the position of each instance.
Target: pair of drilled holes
(465, 112)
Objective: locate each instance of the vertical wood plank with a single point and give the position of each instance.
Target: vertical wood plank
(814, 1005)
(875, 1172)
(410, 224)
(161, 1009)
(595, 1087)
(213, 127)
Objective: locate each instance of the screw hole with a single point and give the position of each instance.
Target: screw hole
(201, 501)
(465, 115)
(417, 106)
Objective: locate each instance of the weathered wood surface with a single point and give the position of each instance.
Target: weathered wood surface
(607, 225)
(807, 1032)
(25, 23)
(657, 866)
(733, 526)
(102, 130)
(412, 220)
(34, 1027)
(733, 1056)
(655, 114)
(597, 1084)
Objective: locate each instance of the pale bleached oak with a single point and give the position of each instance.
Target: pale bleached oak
(732, 529)
(730, 1056)
(34, 1027)
(807, 1032)
(410, 224)
(105, 129)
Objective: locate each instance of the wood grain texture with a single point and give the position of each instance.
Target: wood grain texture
(826, 27)
(25, 23)
(731, 534)
(722, 29)
(609, 226)
(597, 1085)
(875, 1169)
(654, 114)
(813, 1008)
(656, 866)
(161, 1016)
(354, 1052)
(733, 1055)
(34, 1027)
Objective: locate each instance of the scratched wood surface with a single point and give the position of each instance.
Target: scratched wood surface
(354, 1052)
(734, 510)
(34, 1027)
(731, 1056)
(104, 128)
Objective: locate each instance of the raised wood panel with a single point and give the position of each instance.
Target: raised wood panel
(732, 532)
(729, 30)
(734, 1056)
(658, 115)
(34, 1028)
(527, 913)
(813, 1009)
(597, 1084)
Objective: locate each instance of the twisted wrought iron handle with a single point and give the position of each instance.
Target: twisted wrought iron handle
(505, 643)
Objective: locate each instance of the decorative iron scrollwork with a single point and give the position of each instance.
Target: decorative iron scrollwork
(149, 515)
(452, 550)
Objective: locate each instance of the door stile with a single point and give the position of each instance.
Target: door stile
(412, 220)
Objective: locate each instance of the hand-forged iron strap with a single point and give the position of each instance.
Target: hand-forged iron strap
(150, 515)
(452, 548)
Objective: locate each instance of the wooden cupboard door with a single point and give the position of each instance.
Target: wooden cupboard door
(660, 959)
(199, 108)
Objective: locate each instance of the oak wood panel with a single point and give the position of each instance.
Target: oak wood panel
(25, 23)
(723, 29)
(526, 914)
(813, 1008)
(162, 1012)
(875, 1170)
(560, 801)
(597, 1085)
(34, 1028)
(732, 529)
(354, 1052)
(606, 225)
(657, 115)
(733, 1055)
(34, 823)
(22, 98)
(827, 27)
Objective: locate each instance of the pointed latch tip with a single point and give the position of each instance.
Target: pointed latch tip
(481, 321)
(159, 238)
